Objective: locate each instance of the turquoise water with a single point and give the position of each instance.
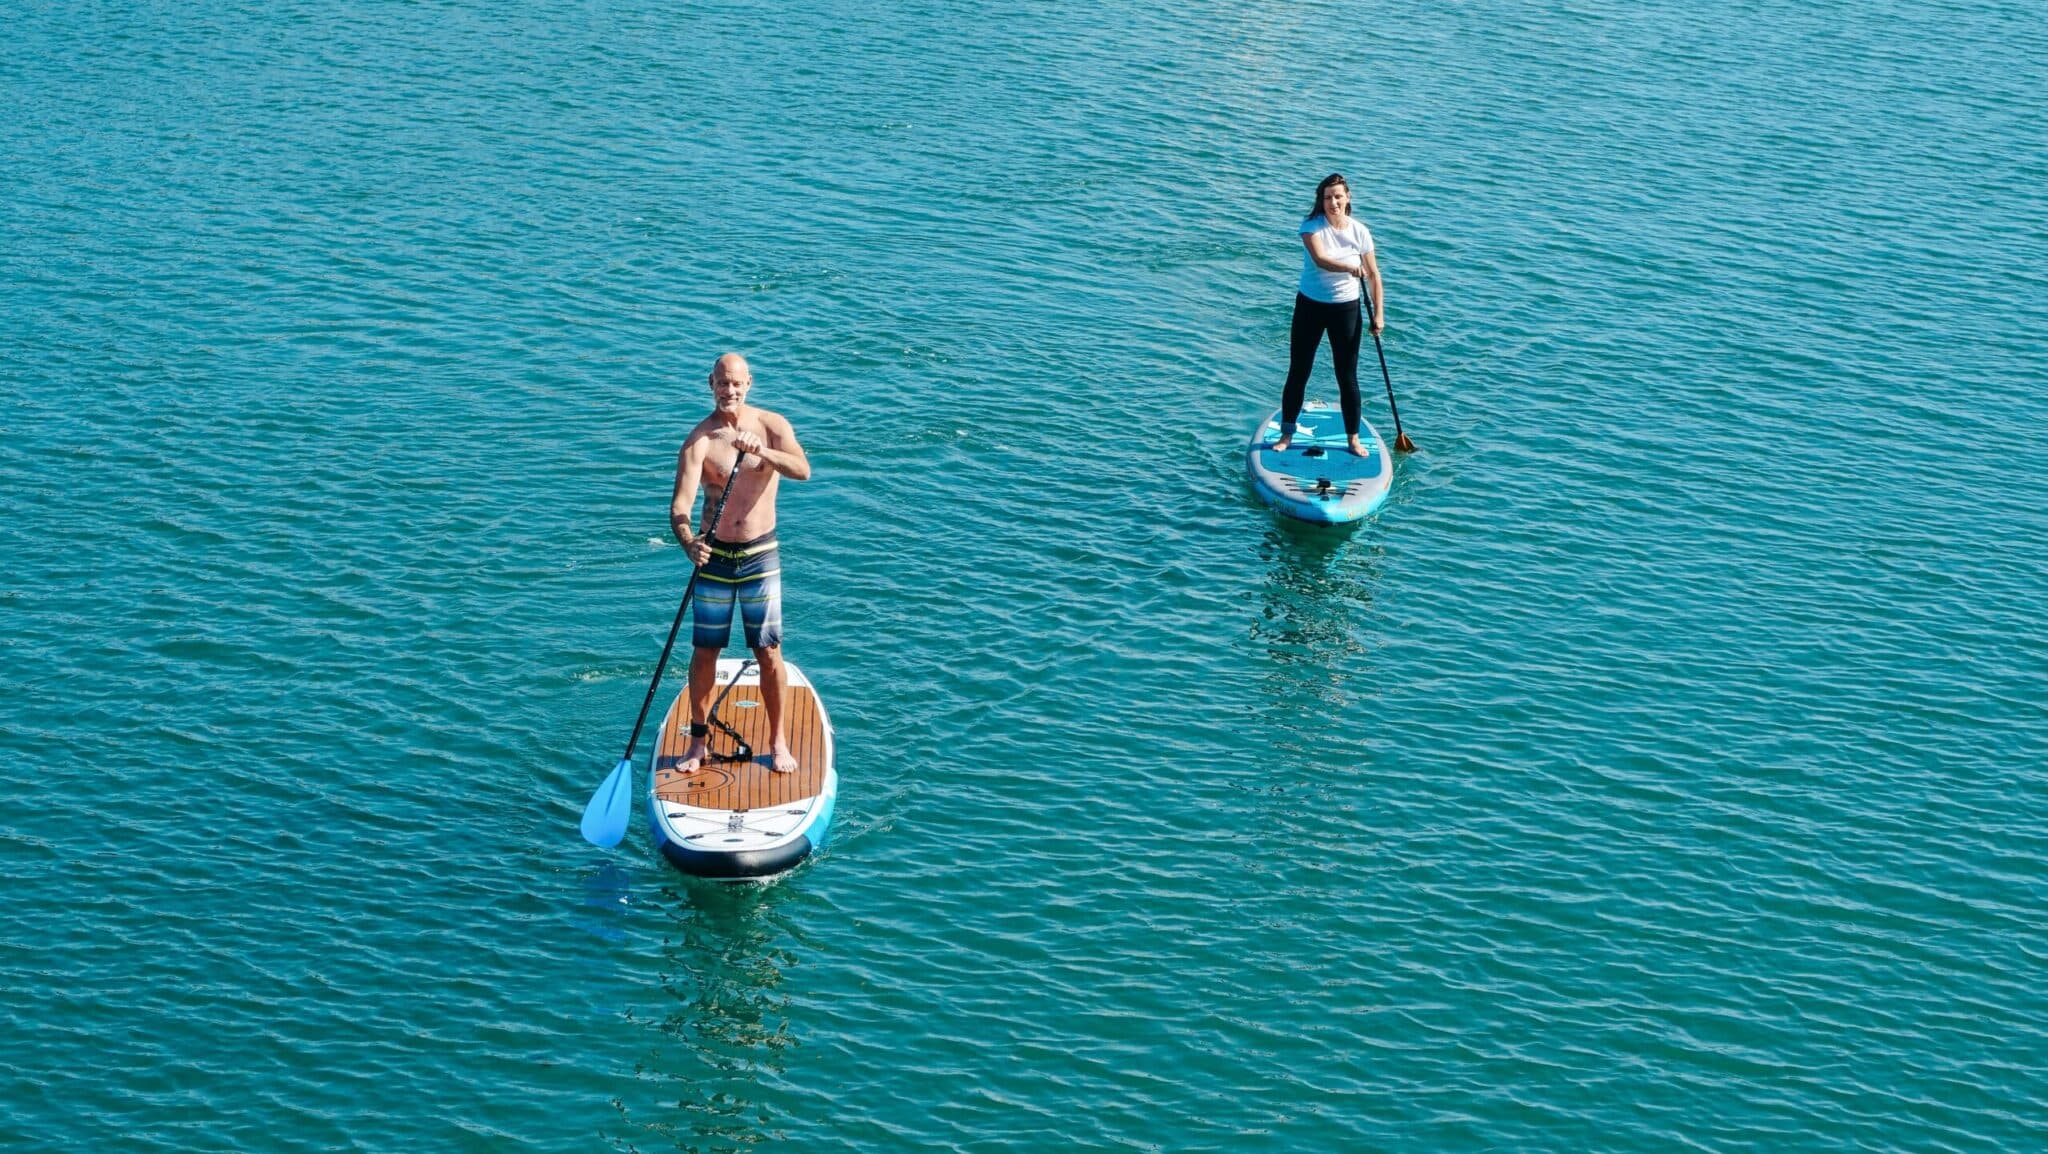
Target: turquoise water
(1660, 769)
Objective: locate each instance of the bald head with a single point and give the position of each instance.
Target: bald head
(731, 367)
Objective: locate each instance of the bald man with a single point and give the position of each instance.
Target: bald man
(737, 562)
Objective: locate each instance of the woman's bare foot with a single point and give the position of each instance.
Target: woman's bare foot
(1357, 450)
(780, 759)
(1283, 444)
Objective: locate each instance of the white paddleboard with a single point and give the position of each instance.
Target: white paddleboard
(738, 820)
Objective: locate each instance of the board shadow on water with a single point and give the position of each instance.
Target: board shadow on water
(720, 1026)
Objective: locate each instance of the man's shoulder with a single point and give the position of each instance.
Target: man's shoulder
(771, 419)
(699, 433)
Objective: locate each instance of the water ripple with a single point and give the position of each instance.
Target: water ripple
(1661, 764)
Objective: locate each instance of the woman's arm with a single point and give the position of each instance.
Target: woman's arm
(1369, 270)
(1320, 253)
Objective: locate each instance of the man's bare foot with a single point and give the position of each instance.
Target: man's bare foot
(780, 759)
(1357, 450)
(692, 759)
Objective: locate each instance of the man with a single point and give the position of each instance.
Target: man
(737, 562)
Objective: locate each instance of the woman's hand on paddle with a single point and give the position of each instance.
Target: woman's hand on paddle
(1379, 324)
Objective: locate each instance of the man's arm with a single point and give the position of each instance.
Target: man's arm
(780, 450)
(689, 466)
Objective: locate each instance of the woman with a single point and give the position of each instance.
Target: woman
(1337, 257)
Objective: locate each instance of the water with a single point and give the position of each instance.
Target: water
(1661, 768)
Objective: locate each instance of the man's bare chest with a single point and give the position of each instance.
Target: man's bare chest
(718, 468)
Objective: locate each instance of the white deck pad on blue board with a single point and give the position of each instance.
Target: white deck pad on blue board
(1318, 478)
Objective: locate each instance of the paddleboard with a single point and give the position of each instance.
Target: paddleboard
(739, 820)
(1317, 478)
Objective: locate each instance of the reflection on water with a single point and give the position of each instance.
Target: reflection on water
(606, 893)
(1314, 626)
(1316, 598)
(727, 1030)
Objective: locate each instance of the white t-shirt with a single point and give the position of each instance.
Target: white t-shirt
(1347, 246)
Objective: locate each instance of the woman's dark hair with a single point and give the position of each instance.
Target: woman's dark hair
(1333, 178)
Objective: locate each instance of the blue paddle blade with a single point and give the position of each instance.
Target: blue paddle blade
(610, 808)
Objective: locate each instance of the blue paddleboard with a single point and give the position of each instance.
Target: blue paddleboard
(1318, 479)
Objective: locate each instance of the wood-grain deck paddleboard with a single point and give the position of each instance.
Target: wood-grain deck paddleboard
(740, 820)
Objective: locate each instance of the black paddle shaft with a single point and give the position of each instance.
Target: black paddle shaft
(1393, 408)
(669, 646)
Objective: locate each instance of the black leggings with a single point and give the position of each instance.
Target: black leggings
(1312, 318)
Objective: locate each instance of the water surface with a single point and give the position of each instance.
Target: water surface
(1661, 768)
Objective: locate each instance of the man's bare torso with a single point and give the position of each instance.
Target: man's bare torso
(750, 511)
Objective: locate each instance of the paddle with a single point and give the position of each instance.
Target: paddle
(606, 814)
(1401, 440)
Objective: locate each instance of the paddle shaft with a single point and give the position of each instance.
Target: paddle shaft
(669, 646)
(1400, 438)
(1391, 406)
